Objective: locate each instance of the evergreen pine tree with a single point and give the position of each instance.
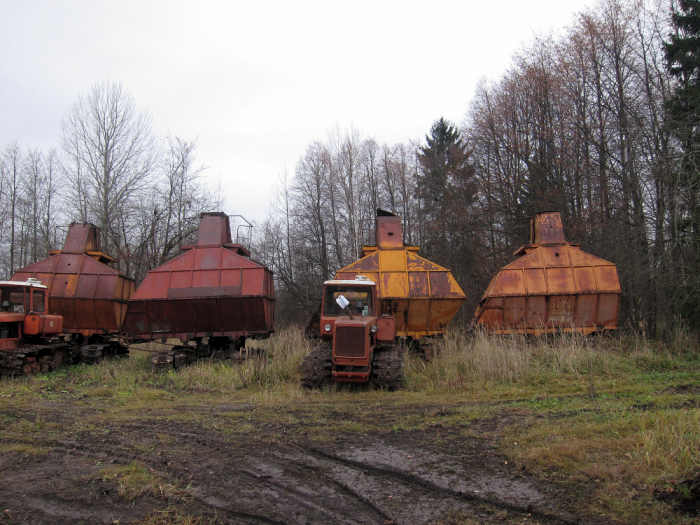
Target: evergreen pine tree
(683, 59)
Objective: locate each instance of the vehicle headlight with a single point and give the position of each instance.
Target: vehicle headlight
(327, 328)
(374, 329)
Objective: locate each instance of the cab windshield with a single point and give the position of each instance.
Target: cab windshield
(12, 299)
(359, 297)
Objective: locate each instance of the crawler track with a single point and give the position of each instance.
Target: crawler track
(387, 368)
(316, 366)
(35, 359)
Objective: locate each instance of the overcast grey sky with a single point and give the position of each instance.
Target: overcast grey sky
(256, 82)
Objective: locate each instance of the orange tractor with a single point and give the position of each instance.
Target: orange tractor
(29, 341)
(355, 347)
(404, 299)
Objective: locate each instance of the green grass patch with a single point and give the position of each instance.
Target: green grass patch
(136, 480)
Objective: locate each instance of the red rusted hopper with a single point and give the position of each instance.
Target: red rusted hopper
(212, 290)
(552, 287)
(90, 295)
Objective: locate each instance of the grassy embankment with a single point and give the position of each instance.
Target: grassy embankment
(619, 413)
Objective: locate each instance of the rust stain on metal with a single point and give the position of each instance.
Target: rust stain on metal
(553, 286)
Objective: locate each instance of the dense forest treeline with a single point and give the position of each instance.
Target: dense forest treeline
(594, 123)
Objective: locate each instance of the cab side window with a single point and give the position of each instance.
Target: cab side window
(38, 301)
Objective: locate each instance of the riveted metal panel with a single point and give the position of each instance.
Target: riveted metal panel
(535, 281)
(392, 261)
(394, 284)
(586, 310)
(510, 282)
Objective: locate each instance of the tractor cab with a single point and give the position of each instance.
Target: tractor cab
(349, 321)
(23, 307)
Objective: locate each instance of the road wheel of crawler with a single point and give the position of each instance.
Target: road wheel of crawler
(45, 363)
(31, 369)
(387, 368)
(58, 360)
(316, 366)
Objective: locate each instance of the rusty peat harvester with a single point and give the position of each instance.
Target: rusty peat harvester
(83, 292)
(73, 306)
(212, 298)
(397, 298)
(552, 287)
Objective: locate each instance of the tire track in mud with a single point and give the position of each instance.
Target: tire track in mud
(319, 507)
(415, 480)
(250, 478)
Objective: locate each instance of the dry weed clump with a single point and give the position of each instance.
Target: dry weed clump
(135, 481)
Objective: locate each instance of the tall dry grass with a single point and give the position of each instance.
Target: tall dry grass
(466, 362)
(670, 441)
(277, 365)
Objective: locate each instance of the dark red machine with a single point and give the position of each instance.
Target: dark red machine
(212, 296)
(90, 295)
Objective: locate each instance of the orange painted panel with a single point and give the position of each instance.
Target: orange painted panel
(579, 258)
(441, 313)
(585, 279)
(607, 278)
(392, 261)
(509, 282)
(492, 317)
(394, 284)
(555, 256)
(514, 310)
(536, 311)
(535, 281)
(531, 260)
(608, 306)
(418, 311)
(586, 309)
(560, 280)
(416, 262)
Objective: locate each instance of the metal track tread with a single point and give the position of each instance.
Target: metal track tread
(316, 366)
(387, 368)
(35, 359)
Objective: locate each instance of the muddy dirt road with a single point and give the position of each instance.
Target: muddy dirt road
(244, 463)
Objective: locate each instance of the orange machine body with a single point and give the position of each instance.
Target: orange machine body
(552, 287)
